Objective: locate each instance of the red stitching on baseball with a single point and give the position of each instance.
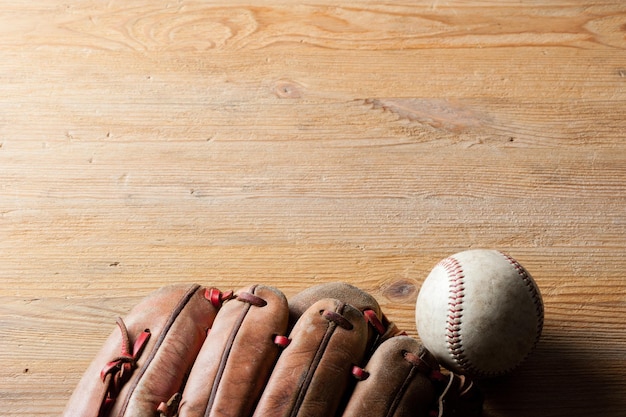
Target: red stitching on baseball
(456, 290)
(534, 293)
(455, 312)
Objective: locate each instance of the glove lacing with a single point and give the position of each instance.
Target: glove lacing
(118, 371)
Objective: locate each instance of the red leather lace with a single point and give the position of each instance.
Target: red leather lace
(251, 299)
(337, 318)
(118, 371)
(216, 297)
(374, 321)
(281, 341)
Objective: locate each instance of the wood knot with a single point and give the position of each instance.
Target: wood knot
(400, 291)
(288, 89)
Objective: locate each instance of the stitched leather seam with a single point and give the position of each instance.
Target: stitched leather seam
(226, 354)
(308, 377)
(397, 398)
(170, 322)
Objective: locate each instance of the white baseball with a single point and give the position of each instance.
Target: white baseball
(479, 312)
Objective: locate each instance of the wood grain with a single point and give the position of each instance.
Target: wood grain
(151, 142)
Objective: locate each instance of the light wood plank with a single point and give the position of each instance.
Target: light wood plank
(227, 143)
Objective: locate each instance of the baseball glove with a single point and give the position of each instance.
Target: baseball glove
(329, 351)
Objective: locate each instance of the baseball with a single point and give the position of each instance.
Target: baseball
(479, 312)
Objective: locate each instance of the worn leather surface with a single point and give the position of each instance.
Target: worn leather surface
(341, 291)
(314, 371)
(238, 355)
(396, 385)
(178, 318)
(341, 352)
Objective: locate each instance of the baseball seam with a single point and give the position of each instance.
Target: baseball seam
(534, 293)
(456, 293)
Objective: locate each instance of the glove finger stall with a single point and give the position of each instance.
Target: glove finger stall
(144, 362)
(238, 355)
(314, 371)
(397, 382)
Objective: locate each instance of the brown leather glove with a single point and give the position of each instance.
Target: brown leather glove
(238, 355)
(328, 352)
(145, 361)
(347, 359)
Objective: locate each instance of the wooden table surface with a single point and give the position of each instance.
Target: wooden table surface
(153, 142)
